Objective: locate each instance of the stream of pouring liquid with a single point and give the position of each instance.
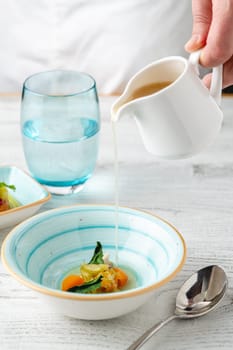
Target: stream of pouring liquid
(116, 187)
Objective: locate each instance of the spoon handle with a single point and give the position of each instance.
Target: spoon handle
(148, 334)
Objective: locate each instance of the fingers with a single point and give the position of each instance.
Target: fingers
(219, 43)
(227, 75)
(213, 31)
(202, 16)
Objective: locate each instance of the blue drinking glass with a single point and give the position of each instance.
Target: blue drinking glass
(60, 124)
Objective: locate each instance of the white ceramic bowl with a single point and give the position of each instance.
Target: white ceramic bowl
(28, 192)
(40, 251)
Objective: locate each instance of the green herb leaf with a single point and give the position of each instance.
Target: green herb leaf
(3, 184)
(98, 255)
(87, 287)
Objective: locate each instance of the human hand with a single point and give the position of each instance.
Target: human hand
(213, 31)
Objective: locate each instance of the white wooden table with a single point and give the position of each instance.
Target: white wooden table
(195, 195)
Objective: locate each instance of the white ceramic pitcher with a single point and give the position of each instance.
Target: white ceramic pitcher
(183, 118)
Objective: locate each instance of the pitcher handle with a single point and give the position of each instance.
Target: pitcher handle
(216, 81)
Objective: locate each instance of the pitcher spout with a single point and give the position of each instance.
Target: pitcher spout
(120, 107)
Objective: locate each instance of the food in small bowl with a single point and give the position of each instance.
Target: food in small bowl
(44, 250)
(7, 201)
(20, 196)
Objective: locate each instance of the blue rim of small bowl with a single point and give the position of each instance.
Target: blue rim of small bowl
(32, 204)
(92, 297)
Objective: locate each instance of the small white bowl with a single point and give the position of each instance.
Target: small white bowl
(42, 250)
(30, 194)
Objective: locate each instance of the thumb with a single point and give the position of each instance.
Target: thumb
(202, 15)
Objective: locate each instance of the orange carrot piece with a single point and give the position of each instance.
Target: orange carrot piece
(72, 281)
(121, 277)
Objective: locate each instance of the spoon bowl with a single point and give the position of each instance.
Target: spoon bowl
(200, 294)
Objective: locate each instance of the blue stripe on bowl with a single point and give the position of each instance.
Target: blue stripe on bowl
(90, 228)
(45, 217)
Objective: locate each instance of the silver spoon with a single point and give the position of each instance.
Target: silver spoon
(197, 296)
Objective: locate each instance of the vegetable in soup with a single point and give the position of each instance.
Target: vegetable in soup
(97, 276)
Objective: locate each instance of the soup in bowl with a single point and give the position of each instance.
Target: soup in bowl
(43, 250)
